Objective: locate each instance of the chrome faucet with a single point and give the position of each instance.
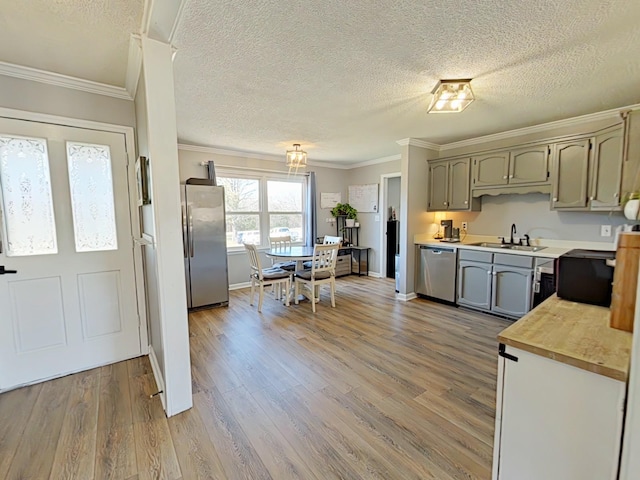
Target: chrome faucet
(513, 230)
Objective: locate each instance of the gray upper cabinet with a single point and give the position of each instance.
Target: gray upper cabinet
(506, 170)
(438, 186)
(529, 165)
(491, 169)
(449, 186)
(570, 174)
(606, 168)
(459, 184)
(588, 172)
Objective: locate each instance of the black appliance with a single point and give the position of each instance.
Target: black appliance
(584, 276)
(393, 246)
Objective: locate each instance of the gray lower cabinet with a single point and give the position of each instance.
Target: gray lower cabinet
(511, 289)
(498, 283)
(474, 284)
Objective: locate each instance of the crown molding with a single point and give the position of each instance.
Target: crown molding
(279, 158)
(134, 64)
(231, 153)
(612, 114)
(414, 142)
(376, 161)
(59, 80)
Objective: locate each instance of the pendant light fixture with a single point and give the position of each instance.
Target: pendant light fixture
(296, 158)
(451, 96)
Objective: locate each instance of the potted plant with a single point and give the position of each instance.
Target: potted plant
(345, 210)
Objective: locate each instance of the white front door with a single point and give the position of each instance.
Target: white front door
(66, 229)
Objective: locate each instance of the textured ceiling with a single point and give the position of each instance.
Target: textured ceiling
(88, 39)
(346, 79)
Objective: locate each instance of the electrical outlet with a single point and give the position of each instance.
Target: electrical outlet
(464, 226)
(605, 230)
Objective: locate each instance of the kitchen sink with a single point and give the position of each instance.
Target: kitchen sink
(507, 246)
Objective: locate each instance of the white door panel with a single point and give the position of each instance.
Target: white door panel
(77, 308)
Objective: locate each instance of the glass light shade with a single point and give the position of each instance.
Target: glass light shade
(451, 96)
(296, 158)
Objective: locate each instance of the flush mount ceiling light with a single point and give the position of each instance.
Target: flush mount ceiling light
(451, 96)
(296, 158)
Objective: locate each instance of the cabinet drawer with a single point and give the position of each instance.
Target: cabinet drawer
(475, 256)
(343, 265)
(513, 260)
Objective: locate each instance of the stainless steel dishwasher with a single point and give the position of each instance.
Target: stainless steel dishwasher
(436, 276)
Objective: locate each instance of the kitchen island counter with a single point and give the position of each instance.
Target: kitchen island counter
(573, 333)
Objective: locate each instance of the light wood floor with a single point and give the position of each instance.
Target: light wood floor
(375, 388)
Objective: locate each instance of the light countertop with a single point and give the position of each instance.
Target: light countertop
(553, 248)
(573, 333)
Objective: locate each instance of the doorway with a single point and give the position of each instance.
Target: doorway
(389, 226)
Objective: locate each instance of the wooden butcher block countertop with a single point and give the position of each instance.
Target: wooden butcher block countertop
(573, 333)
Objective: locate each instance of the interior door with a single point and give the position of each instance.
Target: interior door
(66, 230)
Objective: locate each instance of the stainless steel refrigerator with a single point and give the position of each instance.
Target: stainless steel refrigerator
(205, 243)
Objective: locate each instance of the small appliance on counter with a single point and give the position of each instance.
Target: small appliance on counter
(451, 235)
(584, 276)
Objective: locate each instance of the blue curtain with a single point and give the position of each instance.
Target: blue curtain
(311, 227)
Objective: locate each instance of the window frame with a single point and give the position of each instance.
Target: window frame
(264, 214)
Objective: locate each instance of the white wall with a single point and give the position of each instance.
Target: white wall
(532, 216)
(369, 232)
(38, 97)
(393, 198)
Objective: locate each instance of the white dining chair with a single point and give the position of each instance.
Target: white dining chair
(263, 277)
(331, 240)
(323, 271)
(281, 243)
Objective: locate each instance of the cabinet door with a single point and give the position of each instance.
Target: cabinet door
(511, 290)
(529, 165)
(606, 169)
(459, 184)
(474, 284)
(438, 186)
(490, 170)
(558, 422)
(570, 167)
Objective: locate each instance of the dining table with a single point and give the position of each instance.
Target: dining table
(300, 254)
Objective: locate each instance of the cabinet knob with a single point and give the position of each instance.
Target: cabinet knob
(510, 176)
(591, 198)
(615, 195)
(555, 199)
(466, 202)
(504, 177)
(444, 203)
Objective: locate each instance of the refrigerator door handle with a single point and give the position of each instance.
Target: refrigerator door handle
(184, 232)
(191, 247)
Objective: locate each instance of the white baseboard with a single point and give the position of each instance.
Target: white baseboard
(406, 297)
(157, 374)
(238, 286)
(375, 274)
